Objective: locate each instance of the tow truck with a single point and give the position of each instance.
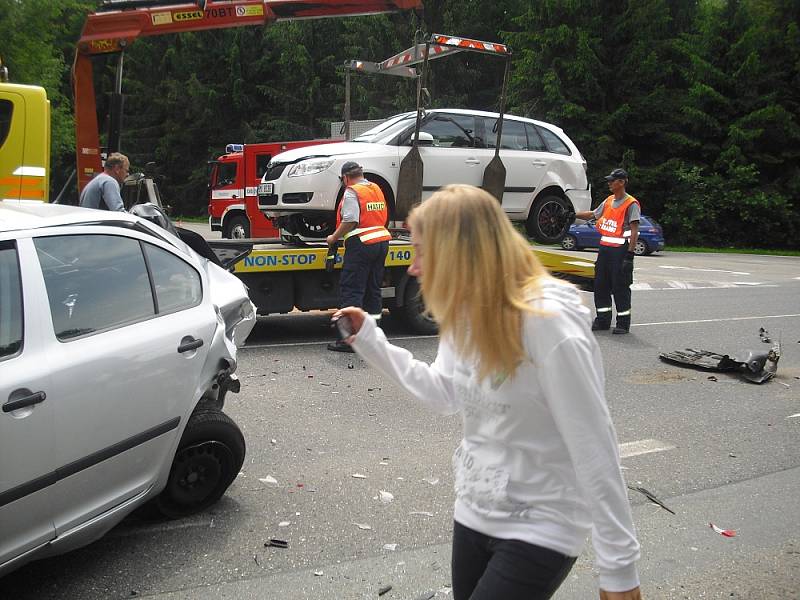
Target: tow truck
(281, 277)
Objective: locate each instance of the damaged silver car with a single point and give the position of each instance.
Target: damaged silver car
(118, 344)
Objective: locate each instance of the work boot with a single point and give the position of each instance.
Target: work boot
(620, 330)
(598, 325)
(340, 346)
(623, 324)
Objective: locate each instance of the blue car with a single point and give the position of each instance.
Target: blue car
(651, 237)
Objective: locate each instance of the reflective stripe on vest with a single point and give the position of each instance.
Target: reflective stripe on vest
(372, 214)
(611, 223)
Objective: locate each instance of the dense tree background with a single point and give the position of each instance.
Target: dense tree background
(698, 99)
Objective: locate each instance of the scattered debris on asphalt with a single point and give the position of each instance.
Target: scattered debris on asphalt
(650, 496)
(385, 497)
(269, 480)
(284, 523)
(276, 543)
(384, 590)
(358, 476)
(794, 416)
(431, 480)
(363, 526)
(723, 532)
(764, 335)
(757, 367)
(319, 573)
(390, 547)
(712, 378)
(422, 513)
(426, 596)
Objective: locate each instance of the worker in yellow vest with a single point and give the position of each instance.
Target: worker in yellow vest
(361, 223)
(618, 223)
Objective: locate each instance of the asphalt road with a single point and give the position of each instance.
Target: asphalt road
(721, 451)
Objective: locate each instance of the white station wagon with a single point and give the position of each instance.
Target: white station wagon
(117, 345)
(545, 172)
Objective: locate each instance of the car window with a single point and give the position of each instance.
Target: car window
(451, 131)
(94, 283)
(176, 283)
(514, 136)
(535, 142)
(226, 174)
(554, 143)
(6, 108)
(10, 302)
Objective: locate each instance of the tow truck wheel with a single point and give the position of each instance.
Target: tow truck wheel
(237, 228)
(547, 221)
(209, 457)
(413, 310)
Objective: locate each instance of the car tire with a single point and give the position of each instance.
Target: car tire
(547, 222)
(413, 310)
(209, 457)
(237, 228)
(570, 242)
(313, 226)
(641, 248)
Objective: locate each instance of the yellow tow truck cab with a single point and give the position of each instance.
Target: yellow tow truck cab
(24, 142)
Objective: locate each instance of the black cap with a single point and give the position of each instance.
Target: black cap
(350, 166)
(617, 174)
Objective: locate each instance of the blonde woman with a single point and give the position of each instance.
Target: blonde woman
(538, 467)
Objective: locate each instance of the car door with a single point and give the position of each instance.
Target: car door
(453, 157)
(130, 336)
(523, 172)
(26, 421)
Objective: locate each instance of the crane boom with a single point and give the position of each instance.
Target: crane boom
(112, 30)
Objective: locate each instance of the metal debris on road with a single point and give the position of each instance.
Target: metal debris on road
(276, 543)
(384, 589)
(284, 523)
(319, 573)
(390, 547)
(358, 476)
(764, 335)
(363, 526)
(386, 497)
(757, 367)
(422, 513)
(650, 496)
(431, 480)
(269, 480)
(723, 532)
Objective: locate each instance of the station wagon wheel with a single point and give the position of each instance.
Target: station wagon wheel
(314, 226)
(209, 457)
(640, 248)
(570, 242)
(547, 221)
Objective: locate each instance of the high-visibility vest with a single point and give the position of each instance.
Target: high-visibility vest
(372, 214)
(611, 223)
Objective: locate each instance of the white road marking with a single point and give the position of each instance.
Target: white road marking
(638, 447)
(793, 416)
(706, 270)
(715, 320)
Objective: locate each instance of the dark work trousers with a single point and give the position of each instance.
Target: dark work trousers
(362, 275)
(608, 280)
(488, 568)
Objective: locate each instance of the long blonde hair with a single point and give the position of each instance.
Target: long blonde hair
(478, 275)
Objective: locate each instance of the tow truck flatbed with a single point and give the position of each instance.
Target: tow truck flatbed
(284, 277)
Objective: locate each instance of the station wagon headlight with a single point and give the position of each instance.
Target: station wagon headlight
(310, 167)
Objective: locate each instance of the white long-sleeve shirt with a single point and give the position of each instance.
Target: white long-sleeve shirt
(539, 460)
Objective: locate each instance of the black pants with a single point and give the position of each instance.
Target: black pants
(487, 568)
(362, 275)
(610, 280)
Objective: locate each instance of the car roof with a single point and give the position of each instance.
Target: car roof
(484, 113)
(16, 215)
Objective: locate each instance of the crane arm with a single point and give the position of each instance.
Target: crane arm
(111, 30)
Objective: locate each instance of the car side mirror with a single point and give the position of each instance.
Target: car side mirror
(425, 139)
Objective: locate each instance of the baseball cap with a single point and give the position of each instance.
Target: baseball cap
(350, 166)
(617, 174)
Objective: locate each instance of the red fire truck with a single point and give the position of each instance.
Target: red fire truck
(233, 179)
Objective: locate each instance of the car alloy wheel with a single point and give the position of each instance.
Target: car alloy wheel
(640, 248)
(547, 221)
(569, 242)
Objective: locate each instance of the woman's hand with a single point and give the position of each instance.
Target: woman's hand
(634, 594)
(356, 316)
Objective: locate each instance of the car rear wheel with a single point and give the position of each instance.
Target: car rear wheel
(209, 457)
(570, 242)
(641, 248)
(237, 228)
(547, 222)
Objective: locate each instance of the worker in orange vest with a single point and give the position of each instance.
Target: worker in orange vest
(618, 223)
(361, 223)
